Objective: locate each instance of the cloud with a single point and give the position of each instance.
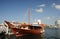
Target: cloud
(39, 10)
(53, 4)
(56, 6)
(47, 18)
(42, 5)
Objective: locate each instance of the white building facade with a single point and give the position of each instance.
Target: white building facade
(57, 23)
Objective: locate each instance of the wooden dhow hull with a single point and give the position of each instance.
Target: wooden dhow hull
(21, 32)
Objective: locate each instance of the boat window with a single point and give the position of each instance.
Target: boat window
(24, 28)
(31, 27)
(35, 27)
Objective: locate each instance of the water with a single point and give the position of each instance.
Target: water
(50, 33)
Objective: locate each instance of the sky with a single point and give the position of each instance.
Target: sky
(48, 11)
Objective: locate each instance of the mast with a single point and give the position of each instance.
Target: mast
(28, 15)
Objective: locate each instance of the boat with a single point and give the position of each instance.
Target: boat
(23, 29)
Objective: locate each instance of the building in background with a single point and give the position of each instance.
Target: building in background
(57, 23)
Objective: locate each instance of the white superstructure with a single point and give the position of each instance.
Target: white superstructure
(37, 21)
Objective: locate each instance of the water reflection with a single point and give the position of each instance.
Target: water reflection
(58, 33)
(32, 37)
(27, 37)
